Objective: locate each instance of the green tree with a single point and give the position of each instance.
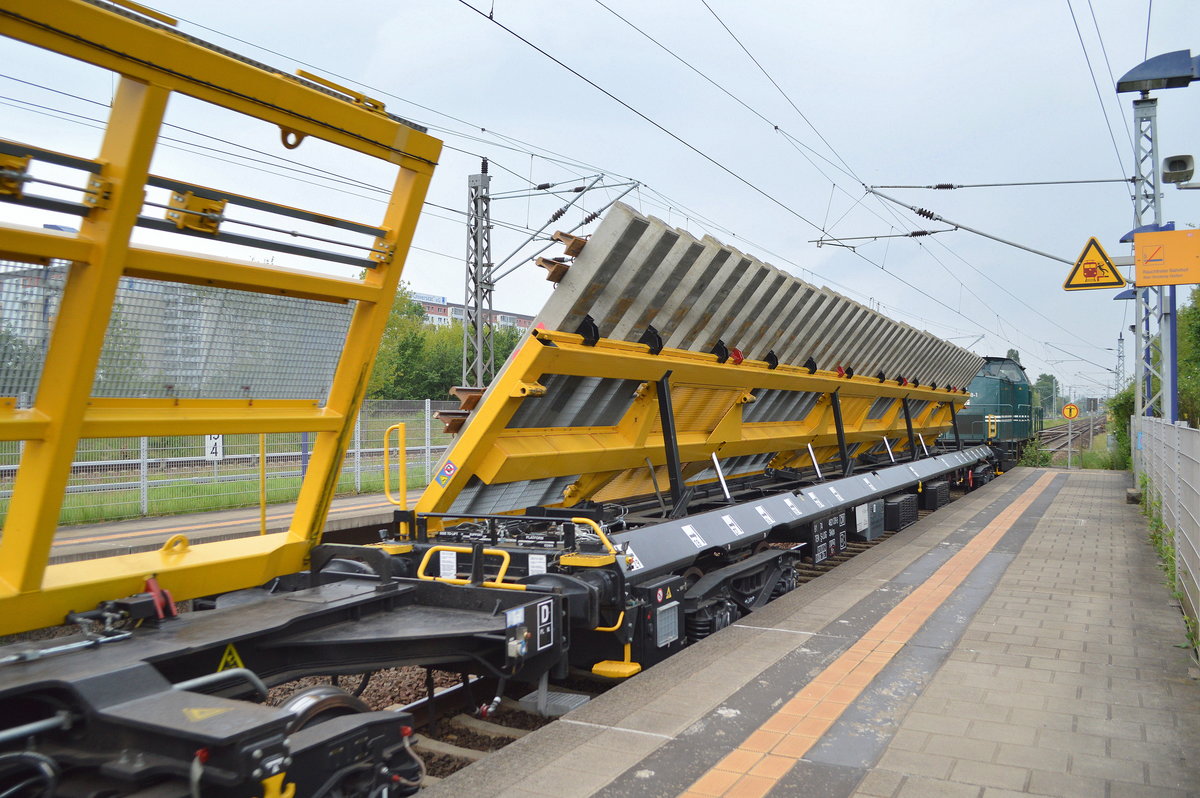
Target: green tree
(423, 361)
(1120, 410)
(1187, 321)
(401, 343)
(1014, 355)
(1045, 393)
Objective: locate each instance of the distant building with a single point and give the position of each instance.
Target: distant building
(439, 312)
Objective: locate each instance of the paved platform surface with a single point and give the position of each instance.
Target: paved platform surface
(88, 541)
(1017, 642)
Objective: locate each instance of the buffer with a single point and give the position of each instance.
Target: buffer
(1093, 269)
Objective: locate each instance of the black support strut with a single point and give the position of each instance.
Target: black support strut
(843, 452)
(912, 444)
(954, 421)
(679, 492)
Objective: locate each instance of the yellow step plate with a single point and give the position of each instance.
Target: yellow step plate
(616, 669)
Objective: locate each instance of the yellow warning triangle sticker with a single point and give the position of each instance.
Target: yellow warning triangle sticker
(668, 592)
(195, 714)
(1093, 269)
(230, 659)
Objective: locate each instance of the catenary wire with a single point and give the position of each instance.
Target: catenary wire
(1096, 84)
(1112, 80)
(868, 260)
(709, 158)
(519, 142)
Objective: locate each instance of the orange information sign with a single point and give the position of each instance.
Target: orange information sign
(1070, 410)
(1171, 257)
(1093, 269)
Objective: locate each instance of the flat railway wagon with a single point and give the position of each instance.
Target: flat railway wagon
(1001, 413)
(684, 426)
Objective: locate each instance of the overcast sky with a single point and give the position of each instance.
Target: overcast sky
(890, 93)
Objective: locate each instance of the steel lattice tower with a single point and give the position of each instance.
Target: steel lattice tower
(1153, 369)
(478, 343)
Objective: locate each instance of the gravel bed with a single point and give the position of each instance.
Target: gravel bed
(456, 734)
(440, 766)
(516, 719)
(387, 687)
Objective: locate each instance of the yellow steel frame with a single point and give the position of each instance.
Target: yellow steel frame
(709, 419)
(153, 61)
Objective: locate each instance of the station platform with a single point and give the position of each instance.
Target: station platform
(1019, 641)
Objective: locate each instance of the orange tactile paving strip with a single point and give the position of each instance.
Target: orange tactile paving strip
(754, 767)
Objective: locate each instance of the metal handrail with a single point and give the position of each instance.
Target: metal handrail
(608, 546)
(504, 556)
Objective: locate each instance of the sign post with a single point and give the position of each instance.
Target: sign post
(1070, 411)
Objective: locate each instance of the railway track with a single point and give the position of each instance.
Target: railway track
(1079, 435)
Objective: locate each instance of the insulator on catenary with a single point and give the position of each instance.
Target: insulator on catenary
(925, 213)
(558, 214)
(945, 185)
(484, 167)
(543, 186)
(919, 233)
(591, 217)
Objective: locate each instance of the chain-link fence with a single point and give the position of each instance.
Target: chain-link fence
(1168, 455)
(115, 478)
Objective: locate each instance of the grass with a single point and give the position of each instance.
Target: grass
(1099, 455)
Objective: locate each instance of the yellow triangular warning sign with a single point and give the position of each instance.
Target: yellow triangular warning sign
(668, 592)
(230, 659)
(1093, 269)
(195, 714)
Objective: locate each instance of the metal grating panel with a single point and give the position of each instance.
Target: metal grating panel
(171, 340)
(638, 271)
(29, 297)
(176, 341)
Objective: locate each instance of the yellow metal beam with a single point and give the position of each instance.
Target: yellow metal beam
(168, 59)
(125, 418)
(21, 425)
(21, 243)
(79, 328)
(181, 267)
(186, 571)
(711, 400)
(349, 385)
(154, 263)
(152, 62)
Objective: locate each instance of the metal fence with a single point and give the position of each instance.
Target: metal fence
(115, 478)
(1169, 456)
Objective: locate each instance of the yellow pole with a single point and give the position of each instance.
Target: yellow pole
(401, 502)
(262, 482)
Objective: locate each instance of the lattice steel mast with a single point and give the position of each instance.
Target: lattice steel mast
(1153, 373)
(478, 364)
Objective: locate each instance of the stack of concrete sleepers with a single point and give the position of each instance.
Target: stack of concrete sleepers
(636, 272)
